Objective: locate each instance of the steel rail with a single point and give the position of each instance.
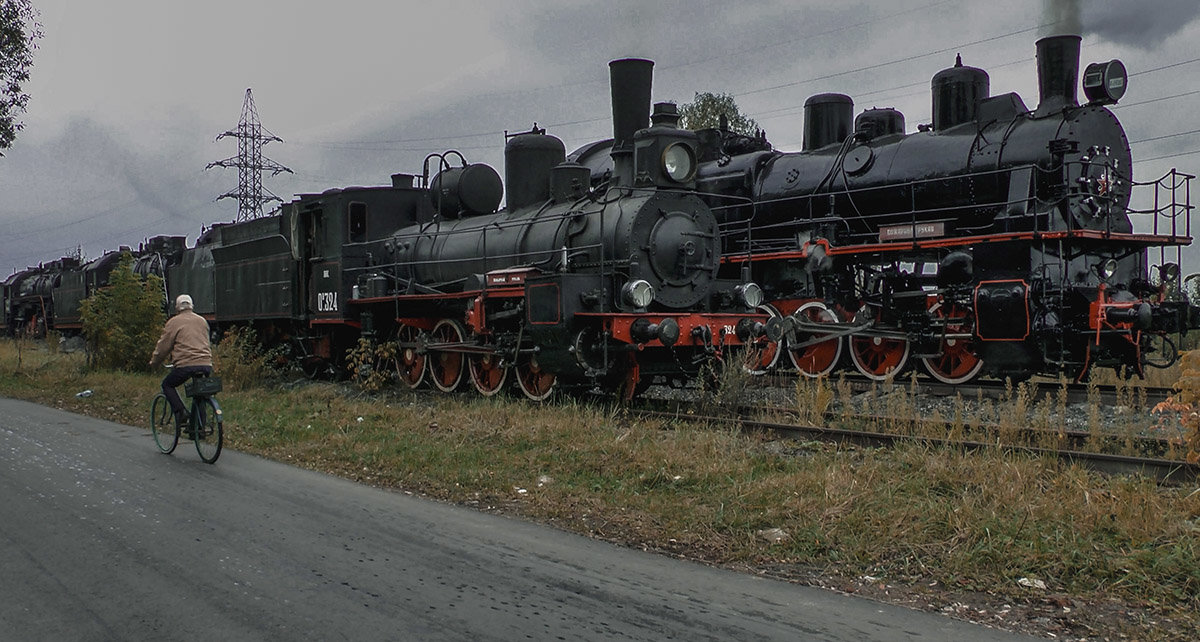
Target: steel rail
(1162, 471)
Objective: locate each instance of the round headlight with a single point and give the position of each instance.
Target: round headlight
(637, 293)
(749, 295)
(679, 163)
(1108, 269)
(1169, 272)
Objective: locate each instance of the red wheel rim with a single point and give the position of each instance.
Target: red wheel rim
(818, 359)
(766, 352)
(410, 364)
(446, 367)
(536, 383)
(878, 358)
(957, 363)
(487, 374)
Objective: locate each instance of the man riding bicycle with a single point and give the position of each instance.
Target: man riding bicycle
(185, 338)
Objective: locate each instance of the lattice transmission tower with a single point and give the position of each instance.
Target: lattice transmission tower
(252, 137)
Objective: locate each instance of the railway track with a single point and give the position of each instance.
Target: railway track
(1162, 459)
(1106, 394)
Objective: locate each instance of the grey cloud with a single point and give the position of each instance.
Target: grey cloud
(1138, 24)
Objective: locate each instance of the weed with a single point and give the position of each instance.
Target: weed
(726, 381)
(813, 399)
(241, 360)
(1185, 405)
(368, 362)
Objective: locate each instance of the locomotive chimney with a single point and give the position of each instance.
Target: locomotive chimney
(1058, 73)
(666, 115)
(631, 79)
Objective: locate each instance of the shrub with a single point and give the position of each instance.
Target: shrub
(1186, 402)
(123, 321)
(367, 363)
(240, 359)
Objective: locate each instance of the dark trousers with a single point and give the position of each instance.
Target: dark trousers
(173, 380)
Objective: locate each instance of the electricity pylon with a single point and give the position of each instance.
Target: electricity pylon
(250, 163)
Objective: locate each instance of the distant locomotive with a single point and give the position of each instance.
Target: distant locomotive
(79, 282)
(28, 297)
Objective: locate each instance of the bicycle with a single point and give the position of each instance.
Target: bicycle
(205, 424)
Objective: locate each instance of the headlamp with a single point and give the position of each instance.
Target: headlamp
(637, 293)
(749, 295)
(1169, 272)
(679, 162)
(1108, 269)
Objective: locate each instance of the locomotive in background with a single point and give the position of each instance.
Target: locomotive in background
(49, 296)
(997, 240)
(27, 297)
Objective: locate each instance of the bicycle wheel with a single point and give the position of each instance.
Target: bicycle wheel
(210, 433)
(162, 424)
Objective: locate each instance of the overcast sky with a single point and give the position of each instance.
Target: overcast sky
(129, 95)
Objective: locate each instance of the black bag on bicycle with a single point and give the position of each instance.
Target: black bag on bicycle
(202, 386)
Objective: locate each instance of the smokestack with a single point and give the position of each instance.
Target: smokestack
(1058, 73)
(631, 79)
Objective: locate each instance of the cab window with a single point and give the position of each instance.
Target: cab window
(358, 222)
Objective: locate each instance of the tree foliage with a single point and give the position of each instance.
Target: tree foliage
(123, 321)
(706, 111)
(19, 32)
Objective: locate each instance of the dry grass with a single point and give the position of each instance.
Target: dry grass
(1018, 418)
(965, 522)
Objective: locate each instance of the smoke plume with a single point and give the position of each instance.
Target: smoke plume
(1062, 17)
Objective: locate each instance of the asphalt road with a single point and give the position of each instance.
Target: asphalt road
(104, 538)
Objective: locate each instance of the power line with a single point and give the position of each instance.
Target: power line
(1147, 160)
(56, 226)
(892, 62)
(803, 37)
(1147, 140)
(1177, 64)
(1155, 100)
(122, 233)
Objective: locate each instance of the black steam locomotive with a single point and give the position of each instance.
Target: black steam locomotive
(49, 296)
(997, 240)
(570, 284)
(27, 297)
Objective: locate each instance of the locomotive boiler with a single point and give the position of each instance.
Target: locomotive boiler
(997, 239)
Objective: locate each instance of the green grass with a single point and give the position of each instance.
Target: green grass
(965, 522)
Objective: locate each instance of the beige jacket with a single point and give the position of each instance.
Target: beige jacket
(185, 338)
